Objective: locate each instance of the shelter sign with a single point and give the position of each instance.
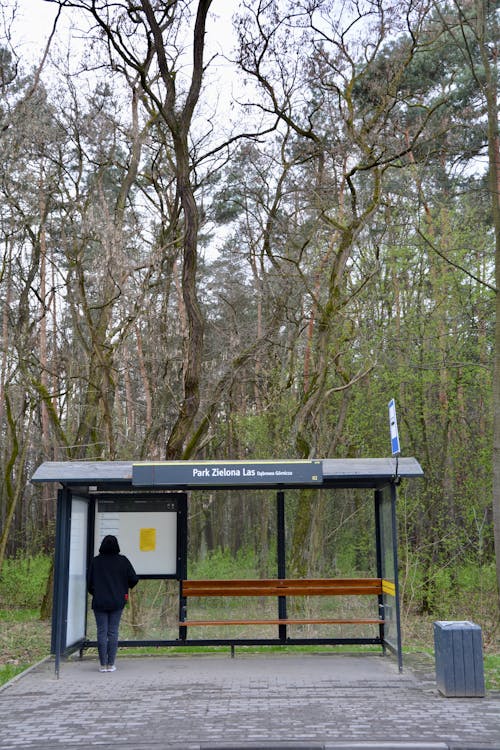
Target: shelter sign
(393, 423)
(227, 473)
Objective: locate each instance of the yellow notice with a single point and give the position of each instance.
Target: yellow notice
(147, 541)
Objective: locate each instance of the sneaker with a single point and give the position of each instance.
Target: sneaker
(111, 668)
(103, 669)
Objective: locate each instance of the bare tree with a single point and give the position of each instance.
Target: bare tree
(143, 39)
(346, 104)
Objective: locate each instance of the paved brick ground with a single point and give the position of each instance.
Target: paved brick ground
(320, 701)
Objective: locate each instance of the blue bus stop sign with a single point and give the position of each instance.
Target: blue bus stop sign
(396, 450)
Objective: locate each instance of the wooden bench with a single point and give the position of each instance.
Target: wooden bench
(281, 587)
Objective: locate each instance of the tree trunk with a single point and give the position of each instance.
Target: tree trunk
(491, 83)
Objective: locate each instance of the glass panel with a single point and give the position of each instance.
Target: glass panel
(77, 587)
(388, 568)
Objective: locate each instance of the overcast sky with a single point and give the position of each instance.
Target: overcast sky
(36, 17)
(34, 22)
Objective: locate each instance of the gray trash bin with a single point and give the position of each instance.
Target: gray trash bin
(458, 650)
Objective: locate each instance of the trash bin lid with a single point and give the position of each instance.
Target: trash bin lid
(457, 625)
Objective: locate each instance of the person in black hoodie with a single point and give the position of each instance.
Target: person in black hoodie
(110, 577)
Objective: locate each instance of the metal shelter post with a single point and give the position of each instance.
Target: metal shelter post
(182, 545)
(281, 555)
(61, 562)
(378, 548)
(396, 576)
(387, 567)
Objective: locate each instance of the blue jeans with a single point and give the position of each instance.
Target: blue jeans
(108, 624)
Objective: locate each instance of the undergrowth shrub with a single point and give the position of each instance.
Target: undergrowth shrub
(466, 592)
(222, 564)
(23, 582)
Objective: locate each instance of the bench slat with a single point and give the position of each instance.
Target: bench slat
(284, 587)
(315, 621)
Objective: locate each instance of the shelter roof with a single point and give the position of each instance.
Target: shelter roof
(118, 475)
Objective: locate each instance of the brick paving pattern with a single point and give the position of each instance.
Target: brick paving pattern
(209, 702)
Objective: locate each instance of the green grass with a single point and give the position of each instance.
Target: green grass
(24, 638)
(8, 672)
(176, 650)
(19, 615)
(492, 671)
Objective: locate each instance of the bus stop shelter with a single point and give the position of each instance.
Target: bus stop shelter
(145, 504)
